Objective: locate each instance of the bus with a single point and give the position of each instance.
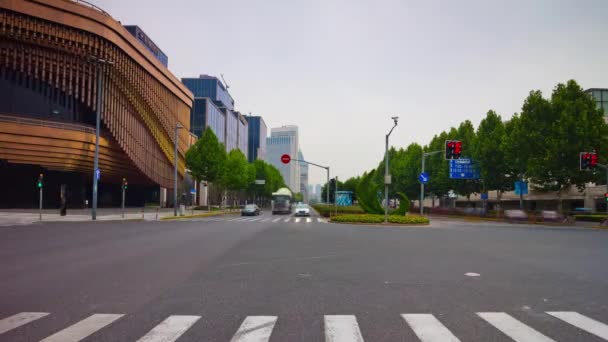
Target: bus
(281, 201)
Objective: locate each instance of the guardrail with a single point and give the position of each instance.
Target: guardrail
(46, 123)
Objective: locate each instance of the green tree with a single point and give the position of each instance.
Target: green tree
(489, 153)
(367, 194)
(576, 125)
(298, 197)
(206, 158)
(238, 173)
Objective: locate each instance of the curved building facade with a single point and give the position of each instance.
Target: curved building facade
(49, 75)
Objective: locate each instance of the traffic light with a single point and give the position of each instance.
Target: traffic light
(40, 181)
(124, 184)
(588, 160)
(453, 149)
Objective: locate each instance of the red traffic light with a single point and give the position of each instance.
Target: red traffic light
(453, 149)
(588, 160)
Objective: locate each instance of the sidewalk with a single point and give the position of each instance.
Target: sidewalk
(9, 217)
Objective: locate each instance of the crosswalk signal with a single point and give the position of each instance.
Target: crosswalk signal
(453, 149)
(124, 184)
(606, 197)
(588, 160)
(40, 181)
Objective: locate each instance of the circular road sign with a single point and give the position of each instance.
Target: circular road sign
(285, 158)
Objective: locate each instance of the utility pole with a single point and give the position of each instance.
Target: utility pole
(387, 179)
(100, 63)
(177, 127)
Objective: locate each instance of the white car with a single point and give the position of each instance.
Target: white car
(302, 210)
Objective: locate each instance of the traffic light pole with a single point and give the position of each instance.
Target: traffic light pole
(424, 155)
(123, 201)
(40, 203)
(317, 165)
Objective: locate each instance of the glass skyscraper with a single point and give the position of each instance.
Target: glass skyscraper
(256, 147)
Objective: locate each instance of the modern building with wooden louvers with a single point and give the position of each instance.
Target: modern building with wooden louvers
(48, 94)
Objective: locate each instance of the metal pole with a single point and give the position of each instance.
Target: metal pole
(335, 195)
(521, 193)
(422, 188)
(175, 175)
(327, 194)
(385, 178)
(40, 212)
(606, 188)
(97, 124)
(123, 201)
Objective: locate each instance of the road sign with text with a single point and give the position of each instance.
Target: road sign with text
(463, 168)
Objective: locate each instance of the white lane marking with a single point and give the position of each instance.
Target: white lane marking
(265, 220)
(275, 220)
(308, 220)
(255, 329)
(287, 219)
(472, 274)
(342, 328)
(255, 219)
(82, 329)
(297, 219)
(428, 328)
(170, 329)
(590, 325)
(320, 220)
(513, 328)
(19, 319)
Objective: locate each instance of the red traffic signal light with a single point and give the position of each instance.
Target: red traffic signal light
(588, 160)
(453, 149)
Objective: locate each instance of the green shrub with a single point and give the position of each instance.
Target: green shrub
(372, 218)
(404, 204)
(591, 217)
(367, 194)
(324, 209)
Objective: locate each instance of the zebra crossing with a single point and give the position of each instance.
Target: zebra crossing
(263, 219)
(337, 328)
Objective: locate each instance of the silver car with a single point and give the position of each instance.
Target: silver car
(302, 210)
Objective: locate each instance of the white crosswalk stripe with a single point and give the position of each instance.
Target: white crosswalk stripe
(297, 220)
(513, 328)
(277, 219)
(342, 328)
(337, 328)
(287, 219)
(170, 329)
(255, 329)
(265, 220)
(428, 328)
(320, 220)
(19, 319)
(83, 328)
(590, 325)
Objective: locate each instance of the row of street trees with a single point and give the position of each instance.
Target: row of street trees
(541, 145)
(230, 172)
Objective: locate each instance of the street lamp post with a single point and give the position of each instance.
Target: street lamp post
(386, 176)
(101, 63)
(177, 127)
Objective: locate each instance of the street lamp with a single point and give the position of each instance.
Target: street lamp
(387, 179)
(177, 127)
(100, 63)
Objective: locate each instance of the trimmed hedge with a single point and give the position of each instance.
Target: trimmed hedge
(372, 218)
(324, 210)
(591, 217)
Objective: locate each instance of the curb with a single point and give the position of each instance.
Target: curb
(175, 218)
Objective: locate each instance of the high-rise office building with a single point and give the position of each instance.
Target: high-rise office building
(284, 140)
(214, 108)
(303, 176)
(256, 147)
(143, 38)
(243, 135)
(600, 95)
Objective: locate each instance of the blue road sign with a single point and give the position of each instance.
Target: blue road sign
(484, 195)
(521, 188)
(193, 191)
(463, 168)
(98, 174)
(423, 178)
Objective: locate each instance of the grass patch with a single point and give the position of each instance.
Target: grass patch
(371, 218)
(197, 215)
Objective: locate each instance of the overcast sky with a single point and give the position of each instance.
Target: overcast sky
(339, 69)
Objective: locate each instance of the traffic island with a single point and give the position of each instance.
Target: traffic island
(379, 219)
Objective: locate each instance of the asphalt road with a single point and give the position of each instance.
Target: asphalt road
(235, 279)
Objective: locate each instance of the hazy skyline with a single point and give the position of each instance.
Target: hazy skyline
(340, 69)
